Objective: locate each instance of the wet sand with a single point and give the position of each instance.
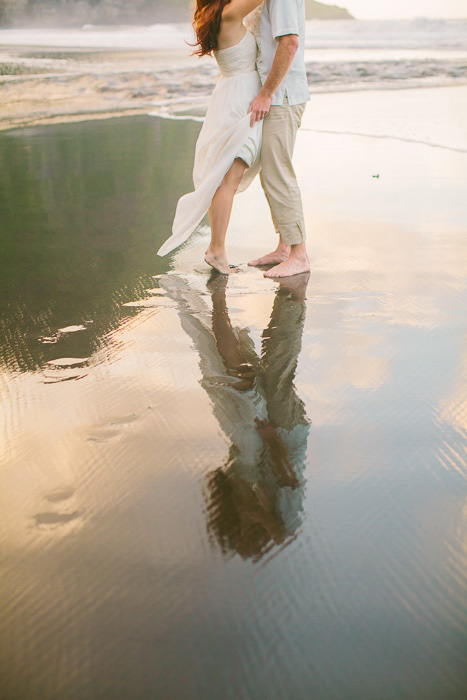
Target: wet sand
(239, 490)
(44, 85)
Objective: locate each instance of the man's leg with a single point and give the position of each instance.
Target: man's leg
(282, 192)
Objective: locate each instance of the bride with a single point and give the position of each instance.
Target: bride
(229, 145)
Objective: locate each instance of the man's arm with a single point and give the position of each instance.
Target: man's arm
(285, 53)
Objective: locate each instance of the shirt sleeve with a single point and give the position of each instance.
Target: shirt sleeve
(284, 17)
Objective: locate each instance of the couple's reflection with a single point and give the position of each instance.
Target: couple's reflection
(255, 499)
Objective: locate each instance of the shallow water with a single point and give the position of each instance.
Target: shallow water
(230, 490)
(413, 34)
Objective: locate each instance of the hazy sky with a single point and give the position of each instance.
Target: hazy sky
(389, 9)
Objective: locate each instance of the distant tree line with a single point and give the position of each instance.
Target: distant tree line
(76, 12)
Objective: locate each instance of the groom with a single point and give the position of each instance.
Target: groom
(281, 103)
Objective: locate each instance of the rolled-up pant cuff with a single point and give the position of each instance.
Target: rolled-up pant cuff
(291, 233)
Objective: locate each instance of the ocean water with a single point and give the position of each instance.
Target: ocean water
(338, 53)
(439, 34)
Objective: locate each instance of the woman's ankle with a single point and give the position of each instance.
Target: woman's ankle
(216, 252)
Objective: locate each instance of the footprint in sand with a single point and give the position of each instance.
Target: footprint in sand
(55, 519)
(106, 432)
(123, 420)
(102, 435)
(49, 519)
(59, 494)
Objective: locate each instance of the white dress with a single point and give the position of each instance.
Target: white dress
(225, 135)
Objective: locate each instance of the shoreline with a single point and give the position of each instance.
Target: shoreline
(90, 108)
(50, 85)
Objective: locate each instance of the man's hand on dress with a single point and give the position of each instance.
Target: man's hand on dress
(259, 107)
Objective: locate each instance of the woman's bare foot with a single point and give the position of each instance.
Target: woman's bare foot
(281, 253)
(219, 262)
(294, 265)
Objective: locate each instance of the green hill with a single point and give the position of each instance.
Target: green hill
(316, 10)
(76, 12)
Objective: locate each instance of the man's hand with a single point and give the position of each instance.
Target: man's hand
(285, 53)
(259, 107)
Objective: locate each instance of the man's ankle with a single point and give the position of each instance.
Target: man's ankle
(299, 251)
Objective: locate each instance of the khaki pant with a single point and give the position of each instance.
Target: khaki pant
(278, 176)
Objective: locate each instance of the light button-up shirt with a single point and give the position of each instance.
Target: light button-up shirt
(278, 18)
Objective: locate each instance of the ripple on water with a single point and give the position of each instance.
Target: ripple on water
(72, 329)
(45, 339)
(150, 302)
(68, 361)
(65, 369)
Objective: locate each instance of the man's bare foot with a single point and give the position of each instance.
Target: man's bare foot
(294, 265)
(219, 262)
(277, 256)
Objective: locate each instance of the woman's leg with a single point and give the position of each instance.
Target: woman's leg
(219, 216)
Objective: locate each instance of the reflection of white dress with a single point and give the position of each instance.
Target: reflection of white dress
(226, 134)
(272, 396)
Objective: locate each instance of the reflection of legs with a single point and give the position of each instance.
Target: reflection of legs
(219, 216)
(280, 460)
(282, 341)
(235, 361)
(281, 346)
(238, 364)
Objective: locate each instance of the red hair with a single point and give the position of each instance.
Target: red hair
(207, 23)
